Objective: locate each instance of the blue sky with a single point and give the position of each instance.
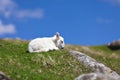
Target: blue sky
(81, 22)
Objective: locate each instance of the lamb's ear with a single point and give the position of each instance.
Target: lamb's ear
(57, 35)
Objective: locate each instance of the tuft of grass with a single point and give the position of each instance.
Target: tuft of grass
(53, 65)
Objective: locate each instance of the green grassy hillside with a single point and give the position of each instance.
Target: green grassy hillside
(55, 65)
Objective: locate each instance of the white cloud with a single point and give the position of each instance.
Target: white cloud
(103, 21)
(7, 29)
(113, 2)
(8, 8)
(38, 13)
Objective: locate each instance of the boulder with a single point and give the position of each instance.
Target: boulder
(3, 76)
(100, 71)
(115, 45)
(95, 76)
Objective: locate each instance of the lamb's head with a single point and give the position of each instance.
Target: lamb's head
(59, 41)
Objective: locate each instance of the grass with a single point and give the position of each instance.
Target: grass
(54, 65)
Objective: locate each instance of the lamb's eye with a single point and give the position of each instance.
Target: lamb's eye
(61, 41)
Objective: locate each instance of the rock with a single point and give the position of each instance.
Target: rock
(3, 76)
(97, 67)
(115, 45)
(95, 76)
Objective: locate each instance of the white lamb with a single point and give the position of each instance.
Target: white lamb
(46, 44)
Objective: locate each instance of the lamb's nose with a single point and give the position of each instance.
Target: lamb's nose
(62, 47)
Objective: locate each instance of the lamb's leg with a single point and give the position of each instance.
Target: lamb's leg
(38, 51)
(46, 50)
(56, 48)
(30, 49)
(42, 50)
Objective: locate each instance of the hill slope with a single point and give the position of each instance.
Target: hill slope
(54, 65)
